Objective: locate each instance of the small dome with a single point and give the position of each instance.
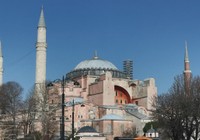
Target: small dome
(95, 63)
(151, 130)
(86, 129)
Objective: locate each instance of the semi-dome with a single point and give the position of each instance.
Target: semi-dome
(95, 63)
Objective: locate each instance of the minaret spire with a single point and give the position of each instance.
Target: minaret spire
(1, 65)
(187, 71)
(41, 47)
(186, 53)
(41, 22)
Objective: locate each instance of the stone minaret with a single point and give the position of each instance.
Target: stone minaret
(41, 47)
(1, 65)
(187, 71)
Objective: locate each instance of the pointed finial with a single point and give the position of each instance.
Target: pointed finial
(41, 20)
(186, 52)
(95, 55)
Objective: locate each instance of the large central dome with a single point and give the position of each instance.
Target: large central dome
(95, 63)
(95, 66)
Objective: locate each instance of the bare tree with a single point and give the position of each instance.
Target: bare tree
(28, 113)
(10, 104)
(178, 113)
(47, 111)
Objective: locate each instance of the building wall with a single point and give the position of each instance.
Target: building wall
(144, 93)
(109, 93)
(101, 91)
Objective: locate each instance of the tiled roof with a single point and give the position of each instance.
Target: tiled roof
(112, 117)
(133, 110)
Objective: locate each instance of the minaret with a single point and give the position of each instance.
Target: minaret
(187, 71)
(41, 47)
(1, 65)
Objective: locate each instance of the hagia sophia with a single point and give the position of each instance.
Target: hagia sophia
(113, 101)
(102, 100)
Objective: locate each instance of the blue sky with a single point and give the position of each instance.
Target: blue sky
(149, 32)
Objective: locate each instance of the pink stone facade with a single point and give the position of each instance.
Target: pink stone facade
(104, 95)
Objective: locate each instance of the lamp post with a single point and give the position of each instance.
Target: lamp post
(63, 111)
(73, 119)
(62, 124)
